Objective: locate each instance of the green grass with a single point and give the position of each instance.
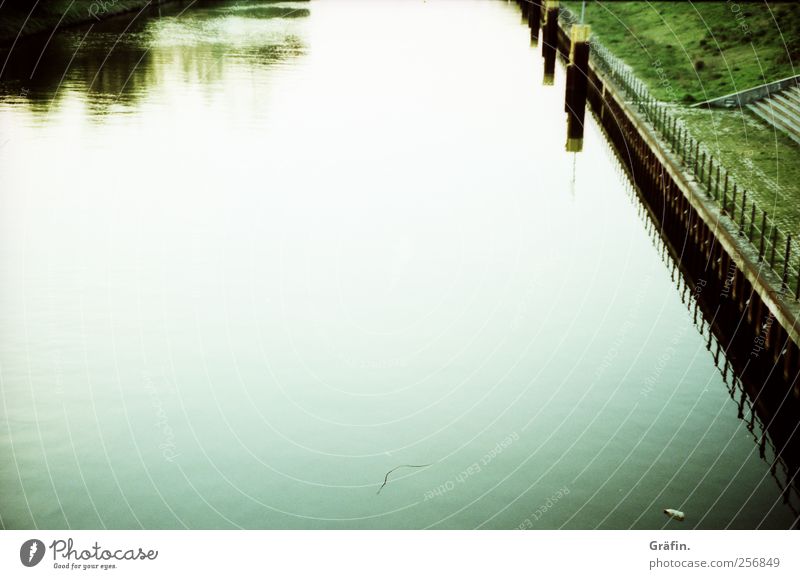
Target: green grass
(703, 50)
(762, 160)
(691, 52)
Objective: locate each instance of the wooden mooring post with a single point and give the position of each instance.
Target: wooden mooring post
(577, 83)
(535, 20)
(550, 44)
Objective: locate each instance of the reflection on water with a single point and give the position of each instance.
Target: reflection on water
(254, 259)
(119, 61)
(762, 395)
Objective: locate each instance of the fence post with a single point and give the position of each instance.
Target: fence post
(674, 126)
(797, 287)
(701, 170)
(687, 148)
(763, 228)
(785, 283)
(710, 171)
(725, 193)
(743, 215)
(772, 249)
(733, 204)
(725, 199)
(752, 221)
(669, 127)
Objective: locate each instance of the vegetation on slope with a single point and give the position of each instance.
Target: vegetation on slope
(693, 51)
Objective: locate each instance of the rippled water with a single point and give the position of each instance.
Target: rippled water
(255, 255)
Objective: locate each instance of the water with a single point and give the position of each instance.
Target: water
(254, 258)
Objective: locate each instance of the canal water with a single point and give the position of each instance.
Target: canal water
(255, 255)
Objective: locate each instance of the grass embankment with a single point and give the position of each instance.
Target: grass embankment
(691, 52)
(15, 19)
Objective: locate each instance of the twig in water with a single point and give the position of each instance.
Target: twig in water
(386, 478)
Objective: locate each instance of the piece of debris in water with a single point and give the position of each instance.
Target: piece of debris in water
(386, 478)
(674, 514)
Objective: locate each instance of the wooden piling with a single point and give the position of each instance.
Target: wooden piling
(535, 19)
(550, 40)
(577, 84)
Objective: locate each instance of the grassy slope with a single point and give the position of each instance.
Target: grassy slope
(761, 159)
(682, 34)
(702, 47)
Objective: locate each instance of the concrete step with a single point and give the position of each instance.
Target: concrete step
(794, 91)
(763, 111)
(792, 96)
(785, 108)
(777, 111)
(791, 101)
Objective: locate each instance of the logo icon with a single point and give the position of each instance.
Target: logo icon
(31, 552)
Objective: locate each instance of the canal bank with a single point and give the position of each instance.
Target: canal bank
(17, 20)
(688, 53)
(748, 265)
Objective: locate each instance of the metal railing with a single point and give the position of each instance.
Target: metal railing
(776, 249)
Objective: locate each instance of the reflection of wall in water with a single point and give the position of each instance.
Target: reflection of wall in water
(761, 391)
(762, 380)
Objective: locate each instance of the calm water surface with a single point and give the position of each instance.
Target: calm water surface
(255, 255)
